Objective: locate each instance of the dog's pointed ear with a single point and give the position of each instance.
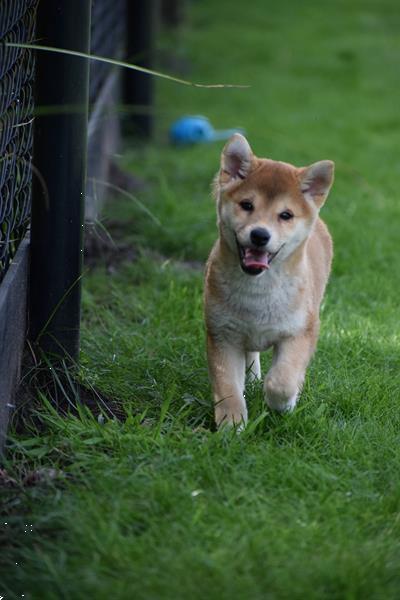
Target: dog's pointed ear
(236, 159)
(316, 181)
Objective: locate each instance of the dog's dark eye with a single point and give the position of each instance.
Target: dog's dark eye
(286, 215)
(246, 205)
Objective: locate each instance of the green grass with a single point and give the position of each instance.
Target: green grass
(302, 506)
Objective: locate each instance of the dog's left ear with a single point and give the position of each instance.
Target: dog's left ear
(236, 159)
(316, 181)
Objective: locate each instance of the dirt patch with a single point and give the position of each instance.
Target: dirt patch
(101, 248)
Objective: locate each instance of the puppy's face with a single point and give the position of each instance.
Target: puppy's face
(267, 209)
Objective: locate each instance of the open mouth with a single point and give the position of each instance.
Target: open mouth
(255, 260)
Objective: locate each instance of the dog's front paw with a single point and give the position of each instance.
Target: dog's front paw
(280, 397)
(227, 417)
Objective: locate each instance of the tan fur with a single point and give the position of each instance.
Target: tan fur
(278, 308)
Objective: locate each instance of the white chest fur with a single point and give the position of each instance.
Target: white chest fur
(257, 311)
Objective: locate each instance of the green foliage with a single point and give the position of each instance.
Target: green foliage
(301, 506)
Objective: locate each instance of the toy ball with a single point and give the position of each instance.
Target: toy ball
(197, 129)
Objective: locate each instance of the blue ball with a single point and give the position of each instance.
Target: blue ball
(191, 130)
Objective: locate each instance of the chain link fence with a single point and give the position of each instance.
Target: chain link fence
(17, 25)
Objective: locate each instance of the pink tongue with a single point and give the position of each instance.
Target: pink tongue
(255, 258)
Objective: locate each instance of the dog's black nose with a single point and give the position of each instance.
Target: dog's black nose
(260, 236)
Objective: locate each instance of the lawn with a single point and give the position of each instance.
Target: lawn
(304, 506)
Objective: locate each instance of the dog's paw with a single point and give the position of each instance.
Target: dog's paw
(230, 426)
(280, 398)
(253, 377)
(228, 419)
(253, 367)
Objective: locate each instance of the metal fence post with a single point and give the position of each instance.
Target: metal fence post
(139, 87)
(59, 159)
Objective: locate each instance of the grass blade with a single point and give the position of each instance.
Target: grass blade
(121, 63)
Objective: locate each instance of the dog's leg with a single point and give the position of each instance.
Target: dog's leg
(253, 367)
(285, 378)
(227, 372)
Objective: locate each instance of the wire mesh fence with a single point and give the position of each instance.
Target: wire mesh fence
(17, 25)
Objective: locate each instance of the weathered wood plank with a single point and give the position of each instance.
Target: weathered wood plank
(13, 303)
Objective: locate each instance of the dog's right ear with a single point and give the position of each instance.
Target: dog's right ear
(236, 159)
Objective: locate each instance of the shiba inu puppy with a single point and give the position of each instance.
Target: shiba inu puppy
(265, 276)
